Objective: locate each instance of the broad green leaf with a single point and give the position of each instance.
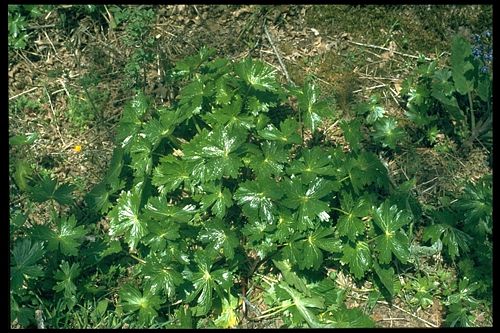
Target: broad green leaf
(268, 161)
(460, 51)
(376, 113)
(160, 232)
(124, 218)
(25, 257)
(113, 248)
(191, 98)
(140, 152)
(321, 239)
(449, 102)
(476, 202)
(352, 133)
(313, 162)
(255, 106)
(159, 209)
(307, 199)
(215, 153)
(101, 308)
(131, 121)
(292, 251)
(27, 139)
(115, 168)
(217, 198)
(388, 132)
(291, 277)
(303, 304)
(156, 129)
(366, 169)
(67, 237)
(205, 281)
(392, 240)
(454, 239)
(350, 223)
(47, 189)
(484, 88)
(230, 115)
(286, 225)
(161, 273)
(459, 316)
(223, 93)
(349, 318)
(386, 276)
(22, 173)
(358, 258)
(66, 277)
(287, 134)
(170, 173)
(312, 109)
(98, 198)
(229, 315)
(146, 303)
(220, 238)
(328, 289)
(185, 317)
(23, 314)
(257, 199)
(257, 74)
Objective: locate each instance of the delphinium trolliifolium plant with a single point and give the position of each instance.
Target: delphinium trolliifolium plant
(221, 183)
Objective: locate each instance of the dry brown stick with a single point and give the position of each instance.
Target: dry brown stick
(55, 116)
(33, 27)
(401, 309)
(23, 93)
(415, 316)
(379, 78)
(277, 54)
(369, 88)
(51, 44)
(386, 49)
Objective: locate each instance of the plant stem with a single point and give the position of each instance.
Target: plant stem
(198, 129)
(345, 178)
(100, 114)
(471, 109)
(138, 259)
(340, 210)
(272, 311)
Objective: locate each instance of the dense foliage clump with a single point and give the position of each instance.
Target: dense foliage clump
(234, 183)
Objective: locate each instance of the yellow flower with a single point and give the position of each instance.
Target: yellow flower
(77, 148)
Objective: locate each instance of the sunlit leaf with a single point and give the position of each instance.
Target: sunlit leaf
(124, 218)
(392, 241)
(358, 258)
(25, 258)
(146, 303)
(257, 199)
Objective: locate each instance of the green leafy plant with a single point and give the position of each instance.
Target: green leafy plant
(221, 196)
(208, 191)
(454, 100)
(18, 15)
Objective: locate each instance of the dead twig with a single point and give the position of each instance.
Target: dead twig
(23, 93)
(55, 116)
(387, 49)
(53, 47)
(369, 88)
(277, 55)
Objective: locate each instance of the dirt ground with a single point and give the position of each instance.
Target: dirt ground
(352, 51)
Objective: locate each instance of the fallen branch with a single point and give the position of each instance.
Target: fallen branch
(369, 88)
(23, 93)
(386, 49)
(277, 55)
